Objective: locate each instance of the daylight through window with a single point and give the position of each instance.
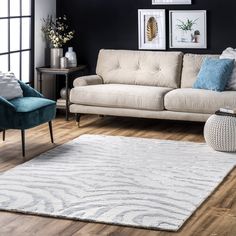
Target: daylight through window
(16, 40)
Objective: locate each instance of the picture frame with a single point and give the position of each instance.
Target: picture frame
(171, 2)
(188, 29)
(152, 29)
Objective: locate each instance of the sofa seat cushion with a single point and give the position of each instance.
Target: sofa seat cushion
(199, 100)
(120, 96)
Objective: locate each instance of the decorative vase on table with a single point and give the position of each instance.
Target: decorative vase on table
(55, 55)
(57, 33)
(63, 93)
(72, 58)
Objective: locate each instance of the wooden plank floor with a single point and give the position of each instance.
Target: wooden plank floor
(216, 217)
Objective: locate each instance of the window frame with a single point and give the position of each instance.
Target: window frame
(31, 43)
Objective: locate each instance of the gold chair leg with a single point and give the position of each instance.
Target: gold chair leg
(77, 118)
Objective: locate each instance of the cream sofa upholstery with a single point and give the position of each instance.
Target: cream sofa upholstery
(147, 84)
(160, 69)
(191, 67)
(198, 100)
(121, 96)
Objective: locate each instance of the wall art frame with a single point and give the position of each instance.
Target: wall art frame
(188, 29)
(171, 2)
(152, 29)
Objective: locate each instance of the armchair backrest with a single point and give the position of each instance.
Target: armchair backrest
(6, 104)
(7, 109)
(29, 91)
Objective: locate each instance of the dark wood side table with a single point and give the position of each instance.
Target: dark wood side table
(66, 72)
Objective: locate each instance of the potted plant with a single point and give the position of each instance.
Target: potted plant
(57, 33)
(196, 36)
(186, 29)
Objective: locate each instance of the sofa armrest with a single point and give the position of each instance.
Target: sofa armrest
(6, 103)
(88, 80)
(29, 91)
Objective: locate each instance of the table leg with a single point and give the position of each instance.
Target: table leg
(40, 83)
(67, 98)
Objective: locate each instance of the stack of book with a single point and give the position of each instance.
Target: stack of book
(226, 112)
(61, 103)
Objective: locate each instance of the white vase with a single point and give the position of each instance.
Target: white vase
(63, 93)
(55, 55)
(72, 59)
(186, 36)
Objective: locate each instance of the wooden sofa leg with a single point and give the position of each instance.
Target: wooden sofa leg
(51, 131)
(77, 118)
(23, 142)
(4, 135)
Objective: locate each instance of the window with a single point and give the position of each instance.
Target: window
(16, 30)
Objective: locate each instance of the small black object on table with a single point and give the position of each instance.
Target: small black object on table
(220, 113)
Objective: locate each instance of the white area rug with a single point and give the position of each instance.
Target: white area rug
(126, 181)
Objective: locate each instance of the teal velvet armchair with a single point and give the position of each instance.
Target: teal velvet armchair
(26, 112)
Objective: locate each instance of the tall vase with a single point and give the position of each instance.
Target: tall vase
(55, 55)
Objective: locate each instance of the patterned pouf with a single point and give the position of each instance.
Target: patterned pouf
(220, 133)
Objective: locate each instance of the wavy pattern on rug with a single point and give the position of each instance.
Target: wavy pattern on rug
(118, 180)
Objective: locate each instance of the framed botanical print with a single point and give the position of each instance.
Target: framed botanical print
(171, 2)
(188, 29)
(152, 29)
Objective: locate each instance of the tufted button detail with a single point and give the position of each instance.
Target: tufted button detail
(138, 67)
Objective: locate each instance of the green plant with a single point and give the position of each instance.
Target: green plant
(57, 31)
(188, 25)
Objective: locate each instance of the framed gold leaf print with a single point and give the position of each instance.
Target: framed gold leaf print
(152, 29)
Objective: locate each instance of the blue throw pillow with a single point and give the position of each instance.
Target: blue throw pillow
(214, 74)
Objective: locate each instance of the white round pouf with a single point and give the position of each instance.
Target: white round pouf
(220, 133)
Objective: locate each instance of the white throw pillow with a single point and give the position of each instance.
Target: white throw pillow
(230, 53)
(9, 86)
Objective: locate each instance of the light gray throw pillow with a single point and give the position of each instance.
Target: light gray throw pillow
(230, 53)
(9, 86)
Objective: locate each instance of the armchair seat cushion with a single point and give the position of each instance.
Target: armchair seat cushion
(30, 112)
(120, 96)
(28, 104)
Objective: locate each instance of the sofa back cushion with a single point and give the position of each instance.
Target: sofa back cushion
(191, 66)
(162, 69)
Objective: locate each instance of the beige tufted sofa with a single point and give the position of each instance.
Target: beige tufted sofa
(147, 84)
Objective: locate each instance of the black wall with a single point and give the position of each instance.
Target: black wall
(114, 24)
